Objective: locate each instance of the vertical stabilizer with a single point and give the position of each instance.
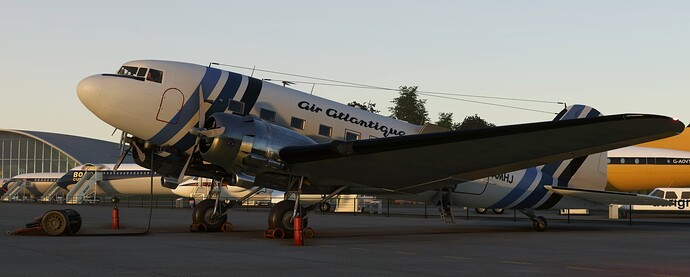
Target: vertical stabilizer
(583, 172)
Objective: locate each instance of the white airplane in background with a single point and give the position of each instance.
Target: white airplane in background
(187, 119)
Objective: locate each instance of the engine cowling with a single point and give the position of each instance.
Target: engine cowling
(248, 145)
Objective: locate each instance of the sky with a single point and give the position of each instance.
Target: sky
(617, 56)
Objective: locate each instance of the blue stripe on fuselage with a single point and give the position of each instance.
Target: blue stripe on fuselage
(519, 190)
(190, 109)
(220, 104)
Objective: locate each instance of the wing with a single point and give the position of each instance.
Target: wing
(609, 197)
(414, 163)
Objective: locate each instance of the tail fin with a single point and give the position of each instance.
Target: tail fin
(587, 172)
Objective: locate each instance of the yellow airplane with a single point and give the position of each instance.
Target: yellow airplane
(661, 163)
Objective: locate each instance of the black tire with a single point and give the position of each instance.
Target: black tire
(499, 211)
(74, 220)
(55, 223)
(203, 214)
(281, 217)
(539, 224)
(480, 210)
(324, 207)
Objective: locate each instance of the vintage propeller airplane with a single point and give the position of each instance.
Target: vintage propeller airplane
(186, 119)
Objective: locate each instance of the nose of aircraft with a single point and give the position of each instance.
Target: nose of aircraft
(89, 89)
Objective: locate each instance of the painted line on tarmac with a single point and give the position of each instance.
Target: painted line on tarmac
(514, 262)
(359, 248)
(583, 268)
(405, 253)
(457, 257)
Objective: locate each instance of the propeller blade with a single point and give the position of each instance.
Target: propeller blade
(212, 133)
(186, 165)
(202, 115)
(122, 157)
(140, 154)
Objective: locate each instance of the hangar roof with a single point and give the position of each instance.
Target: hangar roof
(81, 149)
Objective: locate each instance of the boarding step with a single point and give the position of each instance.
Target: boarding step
(84, 187)
(51, 192)
(14, 189)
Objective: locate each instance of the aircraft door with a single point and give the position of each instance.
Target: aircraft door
(171, 106)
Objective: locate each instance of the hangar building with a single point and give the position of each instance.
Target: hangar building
(40, 152)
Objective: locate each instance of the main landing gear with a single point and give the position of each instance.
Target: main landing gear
(281, 218)
(211, 215)
(538, 222)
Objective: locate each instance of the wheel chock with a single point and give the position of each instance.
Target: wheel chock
(308, 233)
(197, 227)
(227, 227)
(276, 233)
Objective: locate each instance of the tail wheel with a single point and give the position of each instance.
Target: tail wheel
(499, 211)
(55, 223)
(203, 214)
(480, 210)
(281, 217)
(539, 224)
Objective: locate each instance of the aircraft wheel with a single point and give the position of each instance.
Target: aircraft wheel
(55, 223)
(539, 224)
(203, 214)
(324, 207)
(498, 211)
(281, 217)
(480, 210)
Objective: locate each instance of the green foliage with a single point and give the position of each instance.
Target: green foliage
(445, 120)
(409, 107)
(367, 106)
(472, 122)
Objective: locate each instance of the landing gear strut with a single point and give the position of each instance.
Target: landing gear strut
(280, 217)
(538, 222)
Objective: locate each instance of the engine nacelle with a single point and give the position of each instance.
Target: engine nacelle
(248, 145)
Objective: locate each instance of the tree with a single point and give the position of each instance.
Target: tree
(445, 120)
(367, 106)
(472, 122)
(409, 107)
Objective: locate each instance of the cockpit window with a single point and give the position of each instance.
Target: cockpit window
(155, 75)
(128, 70)
(142, 71)
(149, 74)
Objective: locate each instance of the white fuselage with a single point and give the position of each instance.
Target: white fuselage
(164, 111)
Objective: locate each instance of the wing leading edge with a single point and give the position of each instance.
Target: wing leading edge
(415, 163)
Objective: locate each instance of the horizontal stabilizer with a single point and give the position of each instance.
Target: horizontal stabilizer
(609, 197)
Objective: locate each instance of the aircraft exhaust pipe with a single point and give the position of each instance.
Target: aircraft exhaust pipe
(169, 182)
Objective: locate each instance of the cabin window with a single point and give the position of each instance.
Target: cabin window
(685, 195)
(267, 115)
(671, 195)
(658, 193)
(155, 75)
(351, 135)
(325, 131)
(297, 123)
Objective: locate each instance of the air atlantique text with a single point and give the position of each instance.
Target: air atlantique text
(330, 112)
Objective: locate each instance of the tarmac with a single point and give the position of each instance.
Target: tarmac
(346, 245)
